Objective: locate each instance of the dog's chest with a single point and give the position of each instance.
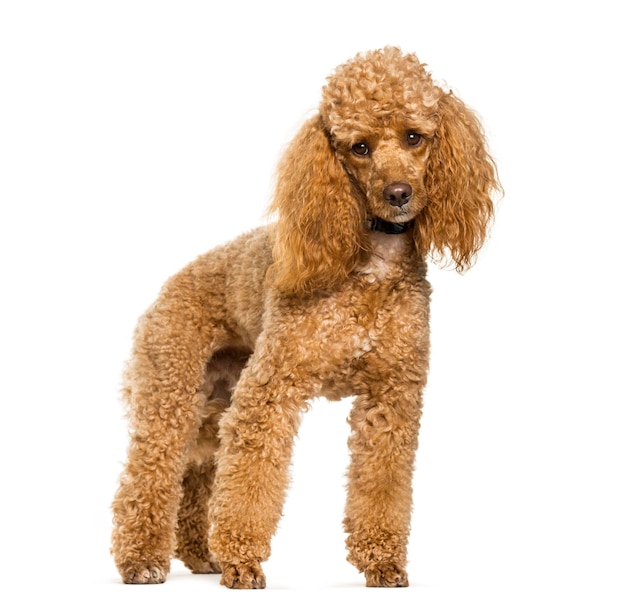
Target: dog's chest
(383, 306)
(358, 320)
(364, 330)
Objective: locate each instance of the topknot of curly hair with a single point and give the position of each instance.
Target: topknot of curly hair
(377, 85)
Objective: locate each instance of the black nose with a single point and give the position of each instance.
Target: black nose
(397, 194)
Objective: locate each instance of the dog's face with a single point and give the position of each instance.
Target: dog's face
(387, 166)
(381, 112)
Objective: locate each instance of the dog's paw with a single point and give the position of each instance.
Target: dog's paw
(144, 575)
(243, 576)
(386, 575)
(201, 567)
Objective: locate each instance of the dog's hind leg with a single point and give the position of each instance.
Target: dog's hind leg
(192, 531)
(193, 516)
(165, 392)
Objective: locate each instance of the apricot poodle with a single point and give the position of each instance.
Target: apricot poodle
(331, 300)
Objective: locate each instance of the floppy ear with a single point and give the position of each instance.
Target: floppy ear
(460, 180)
(318, 239)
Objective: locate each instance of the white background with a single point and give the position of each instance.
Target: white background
(136, 135)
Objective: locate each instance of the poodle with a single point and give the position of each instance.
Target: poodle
(331, 299)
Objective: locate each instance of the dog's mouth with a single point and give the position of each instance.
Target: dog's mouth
(401, 214)
(394, 219)
(404, 213)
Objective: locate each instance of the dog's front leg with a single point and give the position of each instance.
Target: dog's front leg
(256, 441)
(385, 425)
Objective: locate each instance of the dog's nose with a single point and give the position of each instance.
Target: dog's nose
(397, 194)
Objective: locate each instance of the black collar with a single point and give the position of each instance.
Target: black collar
(389, 227)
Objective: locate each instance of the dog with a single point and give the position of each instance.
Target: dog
(329, 300)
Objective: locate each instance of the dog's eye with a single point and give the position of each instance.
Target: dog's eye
(360, 149)
(413, 139)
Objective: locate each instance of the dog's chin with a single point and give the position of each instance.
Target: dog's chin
(404, 218)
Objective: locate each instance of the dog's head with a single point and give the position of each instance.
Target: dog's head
(380, 112)
(387, 144)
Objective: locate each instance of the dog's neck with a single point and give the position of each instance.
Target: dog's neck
(390, 253)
